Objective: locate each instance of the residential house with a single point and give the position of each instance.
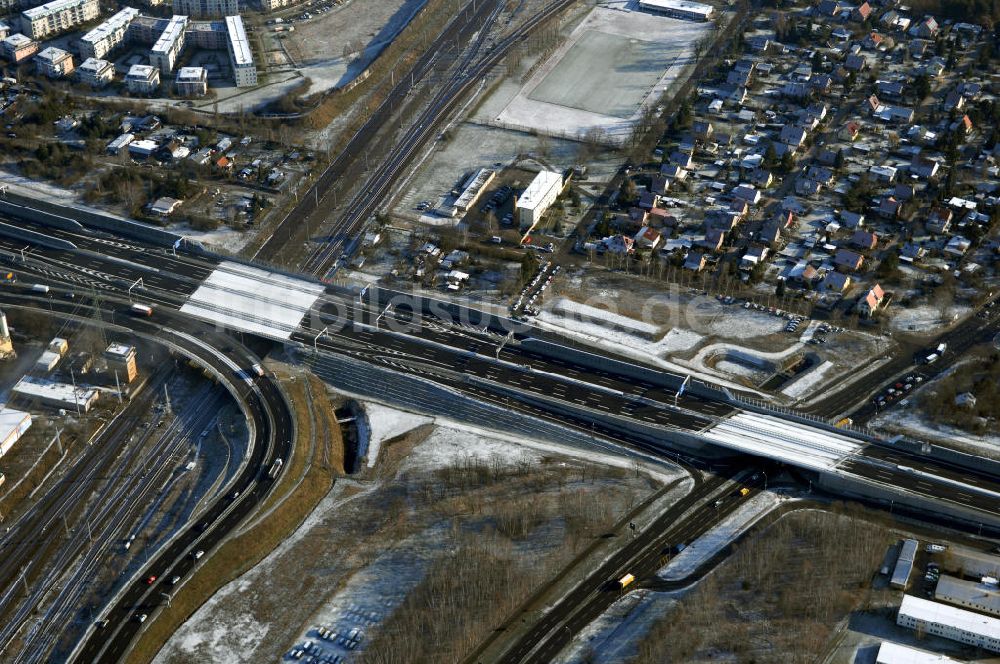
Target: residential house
(748, 193)
(864, 240)
(619, 244)
(659, 185)
(835, 282)
(848, 260)
(924, 167)
(850, 131)
(852, 220)
(889, 207)
(648, 238)
(884, 174)
(927, 28)
(673, 172)
(903, 191)
(702, 129)
(695, 261)
(862, 12)
(871, 301)
(939, 220)
(855, 62)
(682, 159)
(713, 240)
(755, 255)
(828, 8)
(890, 89)
(793, 136)
(647, 200)
(954, 101)
(957, 246)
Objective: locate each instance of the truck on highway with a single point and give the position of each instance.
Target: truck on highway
(932, 358)
(39, 288)
(941, 348)
(625, 581)
(257, 369)
(275, 468)
(141, 310)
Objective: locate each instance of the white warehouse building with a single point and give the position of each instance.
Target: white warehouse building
(168, 47)
(683, 9)
(536, 199)
(240, 55)
(108, 35)
(13, 424)
(58, 16)
(949, 622)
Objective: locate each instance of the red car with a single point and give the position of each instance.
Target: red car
(151, 580)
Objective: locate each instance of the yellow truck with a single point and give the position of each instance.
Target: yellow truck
(625, 581)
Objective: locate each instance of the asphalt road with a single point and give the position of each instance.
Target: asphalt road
(272, 422)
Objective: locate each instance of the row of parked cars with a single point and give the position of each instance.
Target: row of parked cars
(311, 652)
(897, 390)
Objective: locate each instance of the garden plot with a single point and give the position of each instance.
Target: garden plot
(612, 66)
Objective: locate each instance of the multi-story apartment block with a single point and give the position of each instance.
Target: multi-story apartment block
(168, 47)
(240, 55)
(54, 62)
(192, 81)
(142, 79)
(18, 48)
(108, 35)
(58, 16)
(207, 8)
(95, 72)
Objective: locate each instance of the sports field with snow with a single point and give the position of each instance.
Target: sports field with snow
(610, 67)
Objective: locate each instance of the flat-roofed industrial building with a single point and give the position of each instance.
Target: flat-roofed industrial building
(536, 199)
(690, 11)
(949, 622)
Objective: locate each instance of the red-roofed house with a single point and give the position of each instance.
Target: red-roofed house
(862, 13)
(850, 131)
(648, 238)
(871, 301)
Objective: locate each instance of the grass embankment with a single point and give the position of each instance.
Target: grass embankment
(307, 479)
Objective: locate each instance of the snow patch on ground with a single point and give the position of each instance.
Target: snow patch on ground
(699, 551)
(807, 381)
(568, 308)
(387, 423)
(373, 593)
(926, 317)
(914, 423)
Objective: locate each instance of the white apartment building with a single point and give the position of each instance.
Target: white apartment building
(240, 55)
(108, 35)
(207, 8)
(537, 198)
(192, 81)
(4, 30)
(58, 16)
(949, 622)
(142, 79)
(95, 72)
(54, 63)
(168, 47)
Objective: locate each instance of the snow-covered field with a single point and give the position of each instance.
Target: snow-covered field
(387, 423)
(926, 317)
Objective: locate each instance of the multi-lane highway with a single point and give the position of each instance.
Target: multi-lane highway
(478, 361)
(472, 360)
